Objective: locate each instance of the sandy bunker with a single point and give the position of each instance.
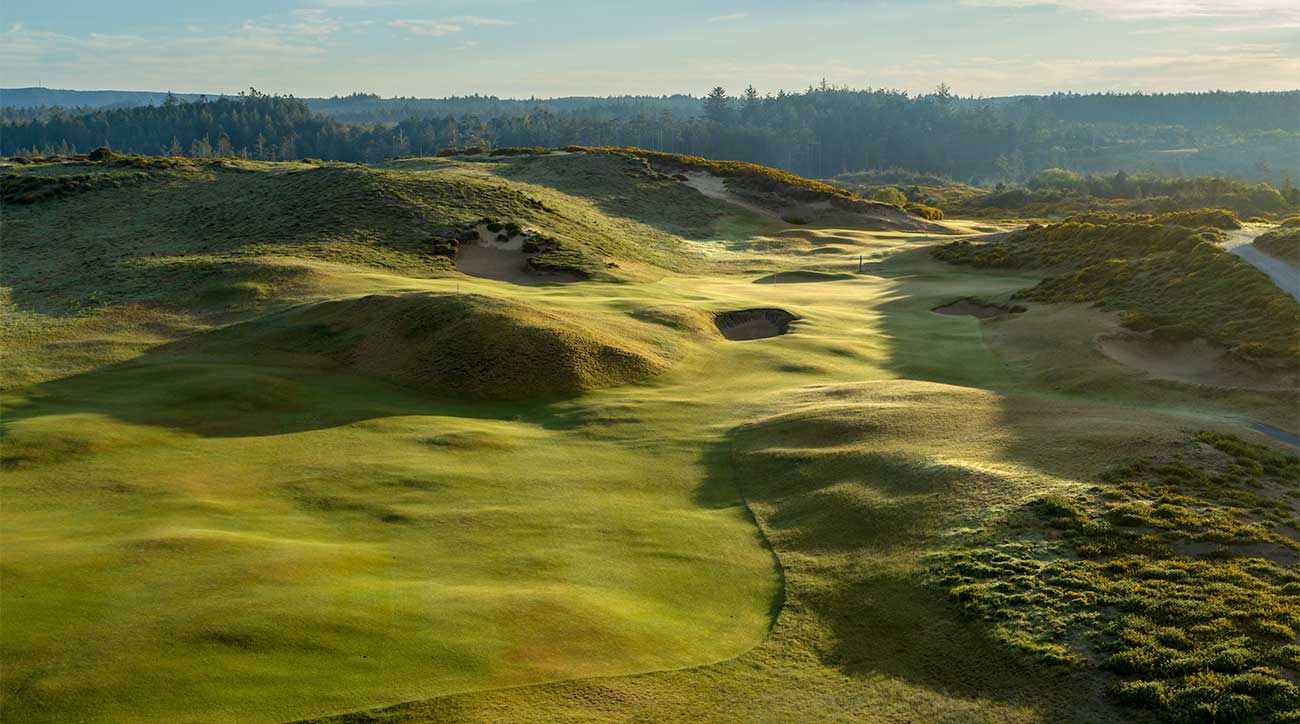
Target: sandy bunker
(757, 323)
(502, 256)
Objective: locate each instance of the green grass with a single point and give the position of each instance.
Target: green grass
(458, 346)
(266, 457)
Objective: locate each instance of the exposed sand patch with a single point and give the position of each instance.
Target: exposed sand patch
(502, 257)
(715, 187)
(746, 324)
(790, 211)
(1196, 362)
(975, 308)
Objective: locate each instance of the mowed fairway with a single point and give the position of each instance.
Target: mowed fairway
(740, 537)
(153, 574)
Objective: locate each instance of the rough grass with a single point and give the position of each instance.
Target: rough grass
(1142, 194)
(1172, 576)
(759, 181)
(1171, 280)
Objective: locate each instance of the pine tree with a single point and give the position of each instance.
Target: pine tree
(751, 102)
(201, 148)
(717, 107)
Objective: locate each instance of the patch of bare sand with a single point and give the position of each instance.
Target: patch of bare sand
(816, 212)
(505, 260)
(1196, 362)
(715, 187)
(747, 324)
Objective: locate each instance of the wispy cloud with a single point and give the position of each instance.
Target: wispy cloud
(198, 60)
(728, 17)
(427, 28)
(1246, 14)
(476, 20)
(440, 28)
(355, 4)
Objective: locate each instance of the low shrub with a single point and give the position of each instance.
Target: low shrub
(925, 212)
(1111, 579)
(1282, 243)
(890, 195)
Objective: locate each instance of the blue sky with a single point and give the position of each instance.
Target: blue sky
(522, 48)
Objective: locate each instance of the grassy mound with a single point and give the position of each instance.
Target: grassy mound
(972, 307)
(803, 276)
(1283, 243)
(1056, 194)
(851, 486)
(29, 188)
(1076, 242)
(776, 189)
(453, 346)
(1171, 280)
(1173, 576)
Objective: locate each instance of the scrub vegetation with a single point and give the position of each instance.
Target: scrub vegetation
(1175, 576)
(1282, 243)
(1056, 193)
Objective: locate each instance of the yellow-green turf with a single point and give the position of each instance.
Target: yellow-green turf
(230, 538)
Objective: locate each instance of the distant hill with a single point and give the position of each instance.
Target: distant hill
(36, 97)
(360, 107)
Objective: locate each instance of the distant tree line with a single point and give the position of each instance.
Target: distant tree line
(820, 132)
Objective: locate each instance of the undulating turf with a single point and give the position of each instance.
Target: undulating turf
(268, 457)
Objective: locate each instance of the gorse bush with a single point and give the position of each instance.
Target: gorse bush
(1283, 243)
(1192, 218)
(30, 189)
(1163, 576)
(923, 211)
(890, 195)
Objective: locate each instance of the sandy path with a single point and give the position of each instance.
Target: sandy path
(1284, 275)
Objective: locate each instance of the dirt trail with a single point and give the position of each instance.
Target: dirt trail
(1285, 276)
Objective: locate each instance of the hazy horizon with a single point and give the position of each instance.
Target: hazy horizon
(514, 49)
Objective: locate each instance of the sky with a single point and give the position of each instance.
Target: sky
(545, 48)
